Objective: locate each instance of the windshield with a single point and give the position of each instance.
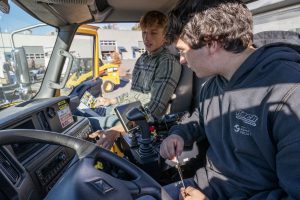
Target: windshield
(24, 64)
(24, 55)
(283, 18)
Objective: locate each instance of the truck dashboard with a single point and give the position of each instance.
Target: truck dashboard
(42, 163)
(45, 150)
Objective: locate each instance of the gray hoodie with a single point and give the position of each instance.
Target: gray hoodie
(252, 124)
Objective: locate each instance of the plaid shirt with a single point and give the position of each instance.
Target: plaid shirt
(154, 80)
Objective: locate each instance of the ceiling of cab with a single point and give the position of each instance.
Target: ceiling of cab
(65, 12)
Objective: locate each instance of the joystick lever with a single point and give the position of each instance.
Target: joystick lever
(138, 116)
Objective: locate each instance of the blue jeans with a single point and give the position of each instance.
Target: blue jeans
(100, 118)
(173, 189)
(102, 123)
(146, 197)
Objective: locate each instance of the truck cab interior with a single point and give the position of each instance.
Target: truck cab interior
(44, 153)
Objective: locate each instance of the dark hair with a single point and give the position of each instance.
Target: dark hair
(228, 22)
(154, 18)
(179, 16)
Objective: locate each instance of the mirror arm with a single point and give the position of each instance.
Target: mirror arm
(21, 30)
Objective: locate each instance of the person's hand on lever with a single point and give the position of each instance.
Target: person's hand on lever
(191, 193)
(171, 147)
(106, 138)
(102, 101)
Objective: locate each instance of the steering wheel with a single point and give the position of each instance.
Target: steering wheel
(81, 180)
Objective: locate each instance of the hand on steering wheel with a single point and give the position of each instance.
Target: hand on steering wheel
(105, 138)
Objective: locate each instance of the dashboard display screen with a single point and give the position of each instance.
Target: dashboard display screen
(121, 112)
(64, 114)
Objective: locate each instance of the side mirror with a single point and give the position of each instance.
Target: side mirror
(22, 72)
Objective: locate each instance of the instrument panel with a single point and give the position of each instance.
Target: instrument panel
(43, 162)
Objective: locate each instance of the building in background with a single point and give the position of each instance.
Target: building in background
(272, 15)
(268, 15)
(128, 43)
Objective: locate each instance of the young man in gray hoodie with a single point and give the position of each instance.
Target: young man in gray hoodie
(249, 110)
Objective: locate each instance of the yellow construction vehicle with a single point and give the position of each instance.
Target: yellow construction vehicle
(109, 72)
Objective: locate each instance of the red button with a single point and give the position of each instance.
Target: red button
(152, 129)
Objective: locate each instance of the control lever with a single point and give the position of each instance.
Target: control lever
(178, 166)
(182, 159)
(145, 147)
(185, 156)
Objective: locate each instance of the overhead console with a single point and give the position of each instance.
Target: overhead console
(60, 12)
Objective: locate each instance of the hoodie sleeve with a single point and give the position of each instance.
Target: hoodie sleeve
(190, 129)
(286, 136)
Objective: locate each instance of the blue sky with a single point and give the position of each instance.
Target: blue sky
(17, 19)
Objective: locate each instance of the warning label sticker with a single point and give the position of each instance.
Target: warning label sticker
(64, 114)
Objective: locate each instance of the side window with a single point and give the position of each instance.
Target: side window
(282, 19)
(82, 49)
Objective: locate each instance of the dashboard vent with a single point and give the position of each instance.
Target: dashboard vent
(6, 166)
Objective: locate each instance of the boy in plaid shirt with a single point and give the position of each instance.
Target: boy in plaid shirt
(154, 79)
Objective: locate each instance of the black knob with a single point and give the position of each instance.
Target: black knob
(135, 114)
(62, 156)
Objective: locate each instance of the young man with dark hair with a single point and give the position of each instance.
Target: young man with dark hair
(154, 78)
(248, 111)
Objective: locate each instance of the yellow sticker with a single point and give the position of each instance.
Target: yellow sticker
(99, 165)
(61, 102)
(62, 105)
